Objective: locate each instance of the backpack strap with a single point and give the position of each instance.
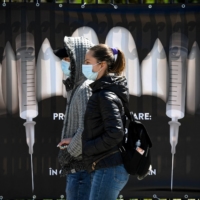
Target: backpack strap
(129, 114)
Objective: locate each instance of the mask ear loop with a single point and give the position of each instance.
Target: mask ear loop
(96, 64)
(107, 69)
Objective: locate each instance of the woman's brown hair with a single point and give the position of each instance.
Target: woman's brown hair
(104, 53)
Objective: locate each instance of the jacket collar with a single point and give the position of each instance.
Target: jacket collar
(116, 84)
(100, 83)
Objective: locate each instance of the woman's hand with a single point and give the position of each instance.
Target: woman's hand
(64, 143)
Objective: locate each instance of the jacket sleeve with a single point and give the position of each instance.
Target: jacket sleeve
(75, 146)
(113, 126)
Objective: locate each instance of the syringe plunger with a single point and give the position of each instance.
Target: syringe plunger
(174, 128)
(30, 134)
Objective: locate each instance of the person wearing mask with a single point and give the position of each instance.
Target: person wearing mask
(104, 121)
(78, 92)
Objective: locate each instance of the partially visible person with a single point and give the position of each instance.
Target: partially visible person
(104, 121)
(65, 60)
(78, 181)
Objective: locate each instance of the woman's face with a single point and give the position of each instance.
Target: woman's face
(99, 67)
(90, 60)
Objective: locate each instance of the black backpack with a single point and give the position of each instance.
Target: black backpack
(135, 148)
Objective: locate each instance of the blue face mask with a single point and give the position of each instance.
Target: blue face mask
(88, 73)
(65, 67)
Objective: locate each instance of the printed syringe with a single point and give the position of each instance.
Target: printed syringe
(25, 58)
(175, 107)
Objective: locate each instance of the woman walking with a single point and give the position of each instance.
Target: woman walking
(104, 121)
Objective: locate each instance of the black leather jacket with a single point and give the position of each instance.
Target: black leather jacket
(103, 123)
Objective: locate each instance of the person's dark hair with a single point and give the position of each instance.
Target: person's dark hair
(104, 53)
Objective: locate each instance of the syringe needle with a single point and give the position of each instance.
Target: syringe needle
(172, 172)
(32, 173)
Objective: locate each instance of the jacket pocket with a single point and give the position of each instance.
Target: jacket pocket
(96, 162)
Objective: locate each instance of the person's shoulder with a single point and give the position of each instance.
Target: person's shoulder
(106, 94)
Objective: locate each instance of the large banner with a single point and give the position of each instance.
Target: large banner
(161, 45)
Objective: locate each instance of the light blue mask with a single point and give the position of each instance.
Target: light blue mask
(88, 73)
(65, 67)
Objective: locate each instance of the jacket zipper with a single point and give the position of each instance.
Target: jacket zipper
(95, 163)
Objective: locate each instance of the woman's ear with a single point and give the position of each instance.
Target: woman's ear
(103, 65)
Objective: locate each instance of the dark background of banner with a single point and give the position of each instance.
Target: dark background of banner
(52, 22)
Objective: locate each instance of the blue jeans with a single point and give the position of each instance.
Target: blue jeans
(108, 182)
(78, 186)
